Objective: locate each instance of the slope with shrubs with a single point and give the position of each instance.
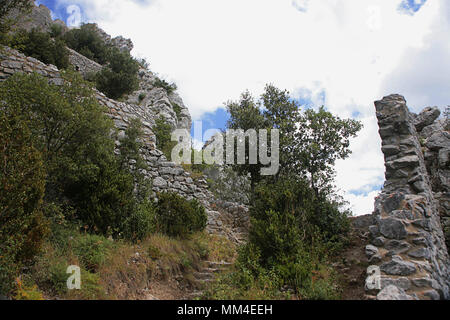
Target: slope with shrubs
(61, 175)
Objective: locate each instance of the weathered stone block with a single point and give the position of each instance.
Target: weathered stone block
(398, 267)
(392, 228)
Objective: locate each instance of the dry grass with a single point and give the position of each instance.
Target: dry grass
(160, 265)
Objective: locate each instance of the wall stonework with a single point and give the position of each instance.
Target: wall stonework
(82, 64)
(165, 175)
(408, 244)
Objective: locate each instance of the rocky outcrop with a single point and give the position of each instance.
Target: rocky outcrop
(434, 137)
(408, 253)
(159, 103)
(119, 42)
(39, 17)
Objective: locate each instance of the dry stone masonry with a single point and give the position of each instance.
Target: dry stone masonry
(408, 245)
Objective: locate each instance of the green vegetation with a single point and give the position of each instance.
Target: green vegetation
(177, 110)
(22, 180)
(169, 87)
(163, 133)
(41, 46)
(64, 190)
(297, 220)
(141, 97)
(178, 217)
(86, 41)
(6, 22)
(120, 73)
(119, 77)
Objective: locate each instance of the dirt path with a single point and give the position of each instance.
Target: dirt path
(352, 264)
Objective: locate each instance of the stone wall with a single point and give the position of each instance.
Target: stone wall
(165, 175)
(408, 252)
(82, 64)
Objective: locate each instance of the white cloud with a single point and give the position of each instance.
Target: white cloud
(351, 50)
(363, 204)
(301, 5)
(423, 75)
(74, 12)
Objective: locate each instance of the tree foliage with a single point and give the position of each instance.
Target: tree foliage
(86, 41)
(163, 133)
(119, 77)
(78, 149)
(321, 140)
(310, 141)
(245, 114)
(178, 217)
(22, 182)
(41, 46)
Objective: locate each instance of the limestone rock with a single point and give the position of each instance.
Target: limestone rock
(426, 117)
(393, 293)
(397, 266)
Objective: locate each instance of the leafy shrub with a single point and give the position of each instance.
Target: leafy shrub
(22, 181)
(178, 217)
(27, 292)
(288, 211)
(169, 87)
(120, 74)
(49, 272)
(92, 251)
(75, 138)
(56, 31)
(289, 245)
(177, 109)
(86, 41)
(142, 97)
(140, 223)
(120, 77)
(41, 46)
(163, 133)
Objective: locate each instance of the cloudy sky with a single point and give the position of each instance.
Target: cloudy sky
(343, 54)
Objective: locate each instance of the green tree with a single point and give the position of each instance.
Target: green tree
(178, 217)
(87, 41)
(163, 133)
(282, 112)
(321, 140)
(120, 77)
(22, 181)
(41, 46)
(141, 222)
(75, 139)
(245, 114)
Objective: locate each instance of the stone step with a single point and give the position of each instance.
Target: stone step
(218, 265)
(195, 294)
(203, 275)
(211, 270)
(204, 281)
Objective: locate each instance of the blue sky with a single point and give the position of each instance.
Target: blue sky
(343, 54)
(411, 6)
